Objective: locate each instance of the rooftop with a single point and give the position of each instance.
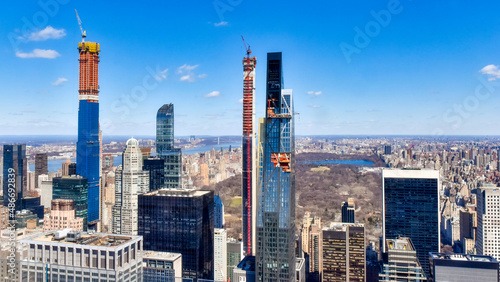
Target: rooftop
(160, 255)
(88, 239)
(399, 244)
(410, 173)
(341, 226)
(463, 257)
(177, 193)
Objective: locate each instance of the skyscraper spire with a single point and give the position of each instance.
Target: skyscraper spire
(249, 180)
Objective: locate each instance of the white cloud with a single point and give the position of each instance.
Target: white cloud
(314, 106)
(315, 93)
(221, 23)
(212, 94)
(47, 33)
(187, 78)
(492, 71)
(240, 101)
(39, 53)
(59, 81)
(162, 75)
(187, 73)
(186, 68)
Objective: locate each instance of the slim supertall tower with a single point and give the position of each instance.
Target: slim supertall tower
(249, 181)
(165, 147)
(87, 147)
(275, 256)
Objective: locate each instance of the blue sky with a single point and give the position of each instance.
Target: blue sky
(356, 67)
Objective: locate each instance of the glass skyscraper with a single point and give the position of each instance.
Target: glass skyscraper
(73, 188)
(156, 168)
(165, 147)
(88, 146)
(14, 167)
(411, 209)
(275, 257)
(180, 221)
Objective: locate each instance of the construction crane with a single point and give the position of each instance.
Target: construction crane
(84, 32)
(246, 48)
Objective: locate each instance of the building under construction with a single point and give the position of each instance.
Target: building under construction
(249, 181)
(87, 147)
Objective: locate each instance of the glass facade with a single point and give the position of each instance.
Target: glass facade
(165, 147)
(87, 153)
(15, 167)
(73, 188)
(411, 209)
(275, 257)
(156, 168)
(218, 212)
(180, 221)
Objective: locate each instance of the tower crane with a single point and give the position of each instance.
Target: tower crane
(246, 48)
(84, 32)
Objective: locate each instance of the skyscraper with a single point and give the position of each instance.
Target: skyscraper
(411, 209)
(218, 212)
(40, 166)
(275, 256)
(87, 147)
(249, 181)
(134, 181)
(180, 221)
(220, 254)
(463, 268)
(488, 221)
(165, 147)
(348, 210)
(73, 188)
(156, 168)
(400, 262)
(15, 170)
(344, 254)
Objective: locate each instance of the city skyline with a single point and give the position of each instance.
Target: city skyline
(428, 78)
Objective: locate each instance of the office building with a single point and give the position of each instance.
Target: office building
(62, 216)
(32, 204)
(45, 191)
(275, 256)
(488, 221)
(249, 158)
(107, 161)
(87, 147)
(344, 254)
(75, 256)
(73, 188)
(387, 149)
(31, 186)
(468, 226)
(134, 181)
(348, 210)
(220, 254)
(463, 268)
(24, 217)
(41, 165)
(161, 266)
(234, 256)
(156, 169)
(411, 209)
(218, 212)
(300, 270)
(401, 262)
(15, 170)
(165, 147)
(245, 270)
(180, 221)
(315, 249)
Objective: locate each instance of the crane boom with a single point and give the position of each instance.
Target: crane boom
(247, 49)
(84, 32)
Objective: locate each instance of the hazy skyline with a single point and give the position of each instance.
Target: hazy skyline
(364, 68)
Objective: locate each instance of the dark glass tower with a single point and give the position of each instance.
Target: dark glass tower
(218, 212)
(41, 166)
(156, 168)
(275, 258)
(15, 174)
(87, 147)
(411, 209)
(165, 146)
(180, 221)
(348, 210)
(73, 188)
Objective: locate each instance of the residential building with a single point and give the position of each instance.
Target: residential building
(165, 147)
(62, 216)
(488, 221)
(401, 262)
(348, 210)
(220, 254)
(73, 188)
(41, 165)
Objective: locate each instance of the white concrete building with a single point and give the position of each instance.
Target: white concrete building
(488, 221)
(220, 254)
